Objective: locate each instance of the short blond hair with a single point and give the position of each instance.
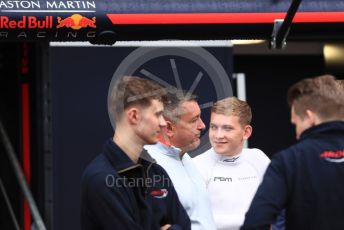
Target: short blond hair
(323, 95)
(232, 106)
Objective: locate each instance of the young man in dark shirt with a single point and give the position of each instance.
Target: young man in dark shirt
(306, 179)
(123, 188)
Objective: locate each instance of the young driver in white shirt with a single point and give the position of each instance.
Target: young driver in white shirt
(231, 172)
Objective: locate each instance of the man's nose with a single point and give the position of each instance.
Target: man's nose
(162, 121)
(201, 124)
(219, 133)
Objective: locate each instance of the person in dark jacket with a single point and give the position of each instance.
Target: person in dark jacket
(306, 179)
(123, 188)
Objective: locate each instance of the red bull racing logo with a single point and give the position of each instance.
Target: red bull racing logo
(76, 22)
(336, 157)
(159, 193)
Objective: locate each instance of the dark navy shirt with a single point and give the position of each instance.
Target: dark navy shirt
(116, 193)
(307, 180)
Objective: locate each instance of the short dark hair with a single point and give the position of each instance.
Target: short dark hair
(322, 95)
(172, 101)
(132, 90)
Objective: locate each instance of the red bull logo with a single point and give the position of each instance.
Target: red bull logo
(26, 22)
(76, 22)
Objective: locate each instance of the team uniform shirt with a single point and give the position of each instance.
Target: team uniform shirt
(231, 183)
(188, 183)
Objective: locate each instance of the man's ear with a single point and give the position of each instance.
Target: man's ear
(312, 118)
(247, 131)
(169, 129)
(133, 115)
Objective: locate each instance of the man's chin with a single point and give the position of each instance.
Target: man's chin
(191, 146)
(152, 142)
(196, 144)
(219, 150)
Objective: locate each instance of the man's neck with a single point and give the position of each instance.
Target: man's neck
(128, 143)
(236, 152)
(166, 141)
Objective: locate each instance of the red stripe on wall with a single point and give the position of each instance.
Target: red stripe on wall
(222, 18)
(26, 148)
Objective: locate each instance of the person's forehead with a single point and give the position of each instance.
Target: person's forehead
(190, 105)
(156, 104)
(292, 110)
(188, 110)
(226, 118)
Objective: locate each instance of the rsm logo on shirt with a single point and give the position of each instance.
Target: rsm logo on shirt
(224, 179)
